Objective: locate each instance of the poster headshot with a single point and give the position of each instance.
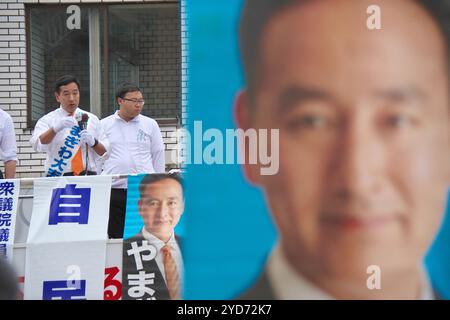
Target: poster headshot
(152, 258)
(358, 207)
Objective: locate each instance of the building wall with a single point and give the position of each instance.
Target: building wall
(13, 80)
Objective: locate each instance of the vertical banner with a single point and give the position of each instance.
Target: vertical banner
(9, 195)
(66, 245)
(152, 259)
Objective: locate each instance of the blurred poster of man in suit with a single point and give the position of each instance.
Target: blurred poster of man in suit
(363, 119)
(152, 259)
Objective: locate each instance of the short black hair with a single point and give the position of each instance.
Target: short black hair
(256, 14)
(65, 80)
(155, 177)
(124, 88)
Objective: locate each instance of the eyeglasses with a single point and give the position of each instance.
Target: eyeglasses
(141, 102)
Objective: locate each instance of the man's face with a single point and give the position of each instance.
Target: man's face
(161, 207)
(131, 104)
(364, 134)
(69, 97)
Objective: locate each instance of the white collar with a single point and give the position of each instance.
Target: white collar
(156, 241)
(65, 113)
(117, 117)
(287, 283)
(426, 290)
(290, 285)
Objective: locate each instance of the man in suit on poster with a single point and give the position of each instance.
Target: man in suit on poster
(363, 119)
(160, 206)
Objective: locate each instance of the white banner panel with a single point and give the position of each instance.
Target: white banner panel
(70, 209)
(9, 195)
(65, 271)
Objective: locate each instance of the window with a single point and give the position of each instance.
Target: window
(55, 50)
(103, 46)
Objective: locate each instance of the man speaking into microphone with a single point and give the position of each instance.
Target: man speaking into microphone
(71, 137)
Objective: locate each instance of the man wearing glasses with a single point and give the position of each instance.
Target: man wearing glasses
(136, 147)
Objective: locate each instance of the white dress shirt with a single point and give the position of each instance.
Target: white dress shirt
(49, 121)
(290, 285)
(174, 250)
(136, 147)
(8, 145)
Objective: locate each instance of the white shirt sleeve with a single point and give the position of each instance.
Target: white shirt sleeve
(8, 141)
(157, 150)
(42, 125)
(101, 137)
(95, 160)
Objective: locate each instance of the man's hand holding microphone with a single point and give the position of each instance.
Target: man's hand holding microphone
(88, 138)
(70, 122)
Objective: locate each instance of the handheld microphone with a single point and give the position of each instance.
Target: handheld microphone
(82, 123)
(82, 120)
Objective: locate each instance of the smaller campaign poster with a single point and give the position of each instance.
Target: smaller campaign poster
(152, 258)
